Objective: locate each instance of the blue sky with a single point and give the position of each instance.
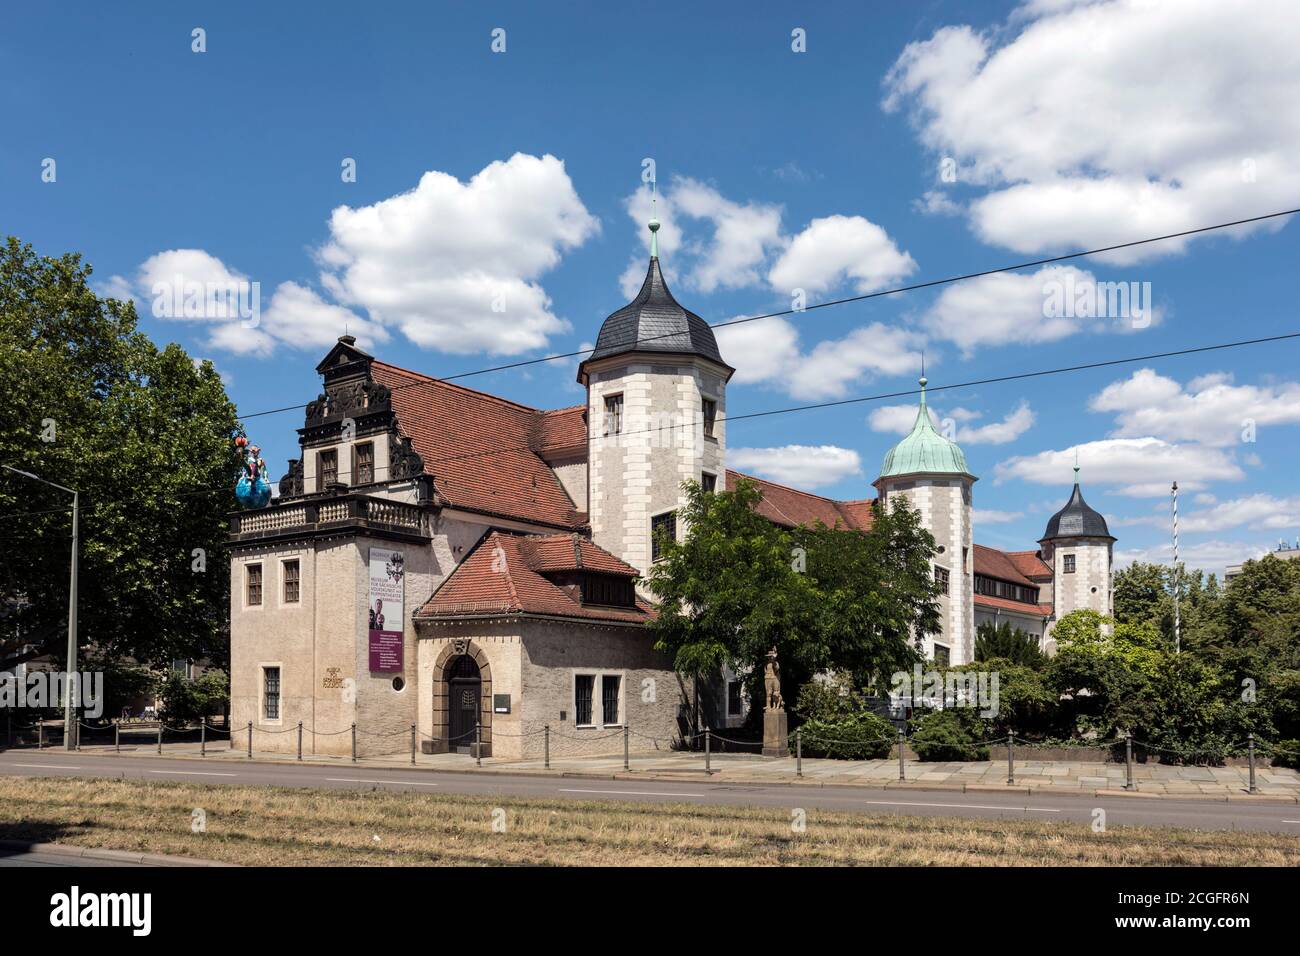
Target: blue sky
(907, 142)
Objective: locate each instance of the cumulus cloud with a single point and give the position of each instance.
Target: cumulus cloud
(836, 249)
(769, 352)
(1089, 124)
(1138, 467)
(1210, 409)
(455, 265)
(1211, 556)
(990, 516)
(800, 466)
(899, 419)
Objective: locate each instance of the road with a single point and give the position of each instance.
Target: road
(1120, 811)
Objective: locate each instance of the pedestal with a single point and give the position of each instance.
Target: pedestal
(776, 736)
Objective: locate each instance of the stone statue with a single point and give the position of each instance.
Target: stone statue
(772, 683)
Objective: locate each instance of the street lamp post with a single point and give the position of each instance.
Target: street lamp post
(69, 729)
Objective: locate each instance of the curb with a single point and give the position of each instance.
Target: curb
(711, 776)
(118, 856)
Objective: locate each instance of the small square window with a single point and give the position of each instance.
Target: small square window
(1068, 563)
(708, 482)
(941, 579)
(614, 415)
(291, 591)
(253, 574)
(663, 528)
(710, 408)
(940, 655)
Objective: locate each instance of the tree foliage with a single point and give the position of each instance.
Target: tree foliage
(1002, 642)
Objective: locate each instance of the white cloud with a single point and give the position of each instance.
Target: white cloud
(989, 516)
(1138, 467)
(839, 248)
(899, 419)
(455, 265)
(191, 285)
(1258, 512)
(771, 350)
(299, 317)
(1210, 409)
(1099, 123)
(1211, 556)
(800, 466)
(934, 202)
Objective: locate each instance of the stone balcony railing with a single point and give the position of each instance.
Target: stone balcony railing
(340, 513)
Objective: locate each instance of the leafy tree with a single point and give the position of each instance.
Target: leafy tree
(185, 700)
(145, 435)
(953, 733)
(1003, 642)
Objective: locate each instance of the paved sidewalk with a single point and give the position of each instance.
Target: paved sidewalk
(1069, 776)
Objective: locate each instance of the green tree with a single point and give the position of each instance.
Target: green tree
(145, 435)
(1001, 641)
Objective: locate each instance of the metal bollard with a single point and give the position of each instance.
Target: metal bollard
(708, 747)
(546, 747)
(160, 727)
(250, 740)
(203, 736)
(625, 766)
(478, 742)
(40, 734)
(412, 745)
(117, 737)
(902, 770)
(300, 740)
(1011, 760)
(1250, 741)
(354, 742)
(1128, 760)
(798, 752)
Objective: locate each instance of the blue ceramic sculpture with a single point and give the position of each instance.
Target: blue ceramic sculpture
(253, 490)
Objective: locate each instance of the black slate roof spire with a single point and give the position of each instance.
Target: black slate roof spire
(1076, 520)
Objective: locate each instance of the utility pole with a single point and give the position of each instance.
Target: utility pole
(70, 687)
(1177, 576)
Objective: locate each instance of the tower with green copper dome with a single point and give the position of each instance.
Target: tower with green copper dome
(929, 471)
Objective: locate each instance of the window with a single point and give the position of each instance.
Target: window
(710, 408)
(940, 655)
(254, 577)
(291, 582)
(662, 528)
(583, 686)
(708, 482)
(607, 589)
(735, 698)
(329, 469)
(271, 693)
(941, 579)
(614, 415)
(1068, 564)
(364, 464)
(609, 685)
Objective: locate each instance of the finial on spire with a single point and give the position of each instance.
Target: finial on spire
(654, 220)
(923, 380)
(1076, 465)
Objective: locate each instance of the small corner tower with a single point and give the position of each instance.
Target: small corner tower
(1078, 547)
(656, 411)
(930, 472)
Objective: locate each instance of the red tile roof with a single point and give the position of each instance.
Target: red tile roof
(1030, 565)
(993, 563)
(484, 452)
(1006, 604)
(790, 508)
(562, 433)
(501, 576)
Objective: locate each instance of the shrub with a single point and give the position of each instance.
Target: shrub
(953, 733)
(1286, 753)
(863, 736)
(185, 700)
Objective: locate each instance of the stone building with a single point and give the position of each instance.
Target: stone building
(445, 559)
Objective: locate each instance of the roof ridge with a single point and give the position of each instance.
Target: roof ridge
(797, 491)
(442, 382)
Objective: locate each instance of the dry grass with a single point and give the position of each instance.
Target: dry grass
(296, 827)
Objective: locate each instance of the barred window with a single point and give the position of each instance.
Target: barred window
(614, 415)
(271, 693)
(329, 469)
(662, 528)
(609, 684)
(291, 582)
(365, 464)
(710, 416)
(583, 688)
(941, 579)
(1069, 564)
(254, 576)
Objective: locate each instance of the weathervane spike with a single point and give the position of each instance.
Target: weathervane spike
(654, 220)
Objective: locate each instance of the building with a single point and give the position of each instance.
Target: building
(446, 563)
(1283, 552)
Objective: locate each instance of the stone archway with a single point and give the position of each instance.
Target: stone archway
(442, 667)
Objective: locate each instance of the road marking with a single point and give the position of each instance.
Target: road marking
(1291, 821)
(635, 793)
(194, 773)
(46, 766)
(957, 806)
(404, 783)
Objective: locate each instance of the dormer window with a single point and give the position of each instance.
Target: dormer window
(608, 589)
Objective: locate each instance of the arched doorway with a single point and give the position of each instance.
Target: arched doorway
(464, 696)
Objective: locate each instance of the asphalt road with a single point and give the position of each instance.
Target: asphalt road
(1120, 811)
(22, 858)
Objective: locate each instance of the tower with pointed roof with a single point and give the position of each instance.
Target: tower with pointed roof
(1079, 548)
(929, 471)
(656, 416)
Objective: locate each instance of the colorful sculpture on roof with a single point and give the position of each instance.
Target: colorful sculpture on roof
(253, 490)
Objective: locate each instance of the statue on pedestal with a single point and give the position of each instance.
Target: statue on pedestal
(776, 738)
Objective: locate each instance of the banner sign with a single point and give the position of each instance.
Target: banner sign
(386, 610)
